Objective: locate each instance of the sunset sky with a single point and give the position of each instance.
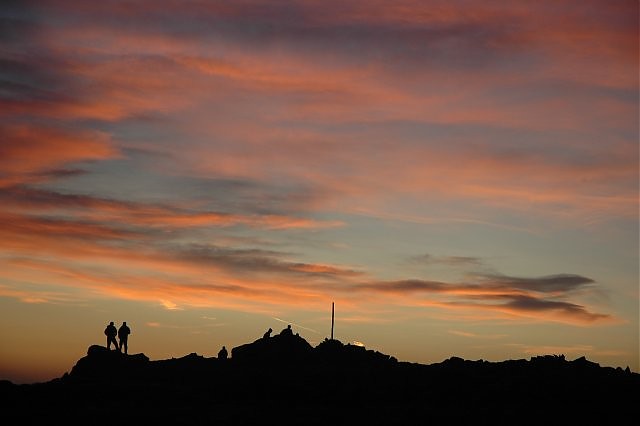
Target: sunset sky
(459, 177)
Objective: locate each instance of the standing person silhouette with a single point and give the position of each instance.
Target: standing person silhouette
(111, 332)
(223, 354)
(123, 335)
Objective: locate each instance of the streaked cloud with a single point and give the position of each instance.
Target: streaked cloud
(324, 101)
(540, 298)
(571, 350)
(454, 261)
(32, 153)
(548, 284)
(476, 335)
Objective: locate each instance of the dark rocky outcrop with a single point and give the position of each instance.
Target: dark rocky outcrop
(279, 349)
(334, 352)
(102, 363)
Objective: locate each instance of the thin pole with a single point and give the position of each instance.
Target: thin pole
(332, 317)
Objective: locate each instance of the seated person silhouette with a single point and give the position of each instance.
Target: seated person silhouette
(267, 334)
(123, 336)
(223, 353)
(287, 331)
(111, 332)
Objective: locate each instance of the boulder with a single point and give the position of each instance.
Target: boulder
(101, 362)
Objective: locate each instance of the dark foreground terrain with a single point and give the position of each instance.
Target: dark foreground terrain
(283, 380)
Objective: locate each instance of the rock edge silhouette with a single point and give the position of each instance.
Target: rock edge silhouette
(284, 380)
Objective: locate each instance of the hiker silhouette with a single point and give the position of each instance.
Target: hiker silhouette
(267, 334)
(111, 332)
(123, 336)
(287, 331)
(223, 353)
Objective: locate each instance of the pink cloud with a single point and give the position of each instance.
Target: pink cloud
(419, 108)
(28, 150)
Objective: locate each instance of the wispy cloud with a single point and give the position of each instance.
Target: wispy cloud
(540, 298)
(33, 153)
(571, 350)
(296, 325)
(322, 98)
(476, 335)
(560, 283)
(454, 261)
(292, 120)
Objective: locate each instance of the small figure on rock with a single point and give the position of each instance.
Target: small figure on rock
(287, 331)
(111, 332)
(267, 334)
(223, 353)
(123, 335)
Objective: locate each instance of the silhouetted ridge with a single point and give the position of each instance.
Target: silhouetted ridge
(335, 352)
(284, 380)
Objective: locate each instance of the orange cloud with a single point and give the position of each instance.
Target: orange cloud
(28, 150)
(379, 102)
(162, 72)
(251, 279)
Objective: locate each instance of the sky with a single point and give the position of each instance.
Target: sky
(459, 177)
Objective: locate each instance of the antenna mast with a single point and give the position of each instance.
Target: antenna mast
(332, 318)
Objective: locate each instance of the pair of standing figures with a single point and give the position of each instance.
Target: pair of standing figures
(123, 335)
